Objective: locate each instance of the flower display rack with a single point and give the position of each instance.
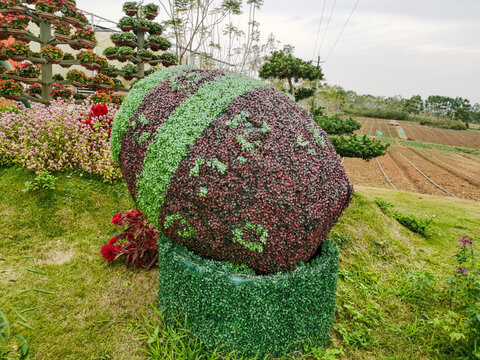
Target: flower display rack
(59, 22)
(142, 36)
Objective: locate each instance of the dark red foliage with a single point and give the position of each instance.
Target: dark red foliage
(295, 195)
(156, 113)
(137, 242)
(291, 184)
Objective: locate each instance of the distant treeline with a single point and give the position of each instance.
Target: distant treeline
(438, 111)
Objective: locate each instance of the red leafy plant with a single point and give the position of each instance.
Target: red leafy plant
(137, 242)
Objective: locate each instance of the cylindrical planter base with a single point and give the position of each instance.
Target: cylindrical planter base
(226, 305)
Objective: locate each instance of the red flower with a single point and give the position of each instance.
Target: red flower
(98, 110)
(117, 219)
(112, 240)
(132, 213)
(110, 251)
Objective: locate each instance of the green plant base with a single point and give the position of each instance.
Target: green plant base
(226, 305)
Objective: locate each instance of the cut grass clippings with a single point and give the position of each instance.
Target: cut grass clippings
(58, 292)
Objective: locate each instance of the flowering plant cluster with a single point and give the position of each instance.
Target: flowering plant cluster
(101, 96)
(5, 4)
(28, 70)
(55, 138)
(101, 79)
(15, 22)
(62, 27)
(86, 57)
(77, 76)
(85, 34)
(60, 91)
(18, 49)
(464, 295)
(225, 174)
(47, 6)
(52, 53)
(34, 89)
(10, 88)
(137, 242)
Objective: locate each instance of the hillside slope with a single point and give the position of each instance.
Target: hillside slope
(390, 293)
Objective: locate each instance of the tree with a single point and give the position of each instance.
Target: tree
(414, 105)
(287, 67)
(193, 22)
(346, 143)
(462, 110)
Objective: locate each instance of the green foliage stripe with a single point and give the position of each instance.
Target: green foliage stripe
(179, 132)
(132, 102)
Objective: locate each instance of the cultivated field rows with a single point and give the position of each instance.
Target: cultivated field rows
(424, 171)
(415, 132)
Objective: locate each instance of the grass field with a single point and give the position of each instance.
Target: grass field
(391, 300)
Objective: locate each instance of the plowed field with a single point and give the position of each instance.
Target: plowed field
(412, 131)
(424, 171)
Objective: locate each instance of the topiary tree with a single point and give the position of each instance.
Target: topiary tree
(346, 143)
(232, 171)
(135, 26)
(56, 21)
(287, 67)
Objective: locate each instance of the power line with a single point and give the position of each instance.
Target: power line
(318, 30)
(326, 30)
(341, 32)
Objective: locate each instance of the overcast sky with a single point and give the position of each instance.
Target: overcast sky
(407, 47)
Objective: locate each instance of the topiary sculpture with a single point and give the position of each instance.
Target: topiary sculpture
(236, 172)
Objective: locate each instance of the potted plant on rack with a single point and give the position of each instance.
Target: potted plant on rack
(7, 5)
(124, 53)
(67, 57)
(77, 78)
(60, 91)
(101, 62)
(52, 54)
(87, 59)
(3, 52)
(167, 59)
(58, 77)
(46, 9)
(145, 55)
(86, 38)
(156, 43)
(14, 26)
(111, 71)
(128, 39)
(36, 57)
(34, 90)
(28, 73)
(18, 51)
(82, 20)
(129, 71)
(155, 29)
(10, 89)
(110, 53)
(70, 16)
(142, 24)
(116, 38)
(150, 11)
(102, 81)
(62, 30)
(126, 23)
(101, 97)
(130, 8)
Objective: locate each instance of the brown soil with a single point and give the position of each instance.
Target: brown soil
(405, 178)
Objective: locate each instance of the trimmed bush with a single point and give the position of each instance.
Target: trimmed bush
(227, 305)
(230, 168)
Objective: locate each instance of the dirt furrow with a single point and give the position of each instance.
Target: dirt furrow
(456, 183)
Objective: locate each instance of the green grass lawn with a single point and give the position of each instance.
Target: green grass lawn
(390, 303)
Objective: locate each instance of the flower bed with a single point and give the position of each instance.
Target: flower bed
(54, 138)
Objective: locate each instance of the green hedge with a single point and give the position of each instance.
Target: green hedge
(228, 305)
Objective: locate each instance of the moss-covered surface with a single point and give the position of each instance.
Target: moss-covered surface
(252, 314)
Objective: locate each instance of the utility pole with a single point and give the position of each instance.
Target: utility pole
(314, 103)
